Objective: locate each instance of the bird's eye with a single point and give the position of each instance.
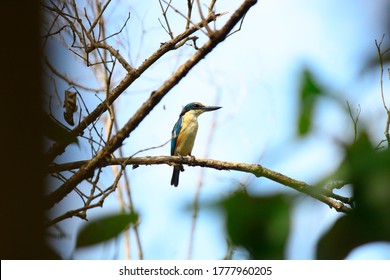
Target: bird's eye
(196, 105)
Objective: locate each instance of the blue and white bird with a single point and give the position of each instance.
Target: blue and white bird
(184, 134)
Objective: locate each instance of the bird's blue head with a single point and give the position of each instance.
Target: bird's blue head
(197, 108)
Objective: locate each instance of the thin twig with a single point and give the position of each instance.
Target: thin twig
(380, 56)
(70, 81)
(49, 33)
(118, 32)
(354, 119)
(209, 31)
(164, 13)
(239, 27)
(99, 16)
(197, 25)
(82, 211)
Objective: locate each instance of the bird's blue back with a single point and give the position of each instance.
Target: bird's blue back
(175, 133)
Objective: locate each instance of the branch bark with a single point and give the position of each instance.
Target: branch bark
(324, 195)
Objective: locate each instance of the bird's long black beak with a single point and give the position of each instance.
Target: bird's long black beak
(210, 108)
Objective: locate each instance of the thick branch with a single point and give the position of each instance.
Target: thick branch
(322, 195)
(156, 96)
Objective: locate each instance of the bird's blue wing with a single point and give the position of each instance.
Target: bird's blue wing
(175, 133)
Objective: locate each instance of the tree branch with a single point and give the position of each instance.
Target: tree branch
(328, 197)
(132, 75)
(116, 141)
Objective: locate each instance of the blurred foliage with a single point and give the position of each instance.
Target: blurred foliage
(261, 224)
(258, 224)
(368, 170)
(104, 229)
(309, 91)
(54, 130)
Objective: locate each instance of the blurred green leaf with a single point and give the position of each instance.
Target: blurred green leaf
(259, 224)
(56, 131)
(368, 170)
(309, 92)
(104, 229)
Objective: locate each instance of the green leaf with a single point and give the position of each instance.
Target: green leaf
(309, 92)
(259, 224)
(368, 171)
(104, 229)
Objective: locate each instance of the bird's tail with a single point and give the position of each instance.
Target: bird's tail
(175, 175)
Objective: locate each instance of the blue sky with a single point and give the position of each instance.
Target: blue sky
(254, 76)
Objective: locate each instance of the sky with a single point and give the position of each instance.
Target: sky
(254, 76)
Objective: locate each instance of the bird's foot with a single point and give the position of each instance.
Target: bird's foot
(192, 159)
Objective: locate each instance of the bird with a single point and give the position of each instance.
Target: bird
(184, 134)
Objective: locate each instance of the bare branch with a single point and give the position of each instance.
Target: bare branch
(164, 12)
(69, 81)
(99, 16)
(116, 54)
(118, 32)
(58, 148)
(323, 195)
(239, 27)
(82, 211)
(380, 56)
(355, 120)
(211, 6)
(209, 31)
(190, 4)
(155, 97)
(189, 19)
